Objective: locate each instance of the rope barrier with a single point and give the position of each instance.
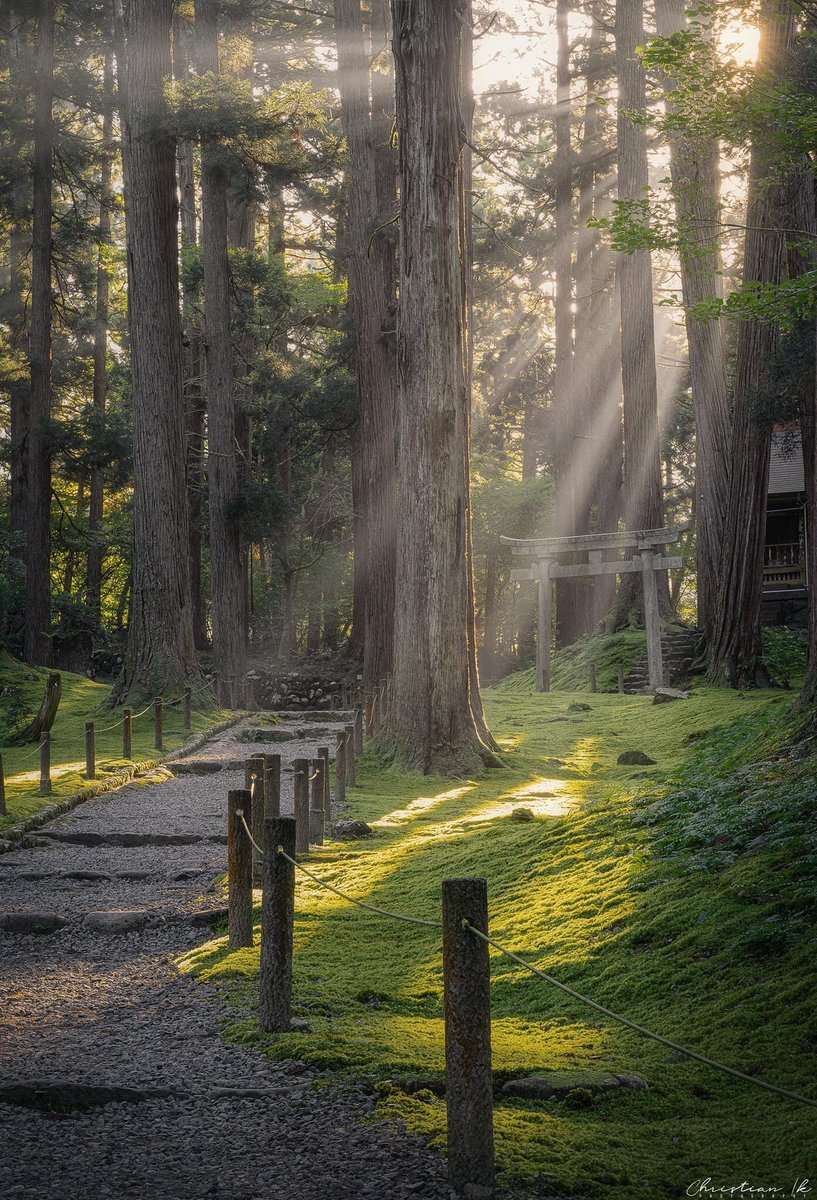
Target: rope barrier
(108, 728)
(331, 887)
(607, 1012)
(383, 912)
(656, 1037)
(33, 754)
(240, 815)
(134, 716)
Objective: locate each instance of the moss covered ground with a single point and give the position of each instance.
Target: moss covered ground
(682, 895)
(21, 691)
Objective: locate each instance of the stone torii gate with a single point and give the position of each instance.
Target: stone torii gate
(546, 554)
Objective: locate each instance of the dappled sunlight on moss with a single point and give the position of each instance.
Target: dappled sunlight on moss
(420, 807)
(575, 891)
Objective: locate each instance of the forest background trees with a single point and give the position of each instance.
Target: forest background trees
(216, 314)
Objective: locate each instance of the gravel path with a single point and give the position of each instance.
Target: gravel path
(155, 1113)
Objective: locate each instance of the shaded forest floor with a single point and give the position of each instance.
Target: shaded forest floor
(681, 895)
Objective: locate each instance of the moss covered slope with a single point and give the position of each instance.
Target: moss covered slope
(682, 896)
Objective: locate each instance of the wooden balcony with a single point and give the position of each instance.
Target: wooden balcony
(783, 566)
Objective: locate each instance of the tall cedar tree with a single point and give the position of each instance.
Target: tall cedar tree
(802, 258)
(160, 651)
(100, 377)
(695, 174)
(38, 457)
(222, 472)
(643, 499)
(369, 259)
(19, 239)
(430, 722)
(570, 593)
(192, 366)
(735, 645)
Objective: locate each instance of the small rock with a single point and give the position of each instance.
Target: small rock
(522, 814)
(635, 758)
(579, 706)
(300, 1025)
(31, 922)
(208, 916)
(126, 921)
(665, 695)
(347, 830)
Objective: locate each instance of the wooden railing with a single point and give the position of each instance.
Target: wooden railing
(783, 565)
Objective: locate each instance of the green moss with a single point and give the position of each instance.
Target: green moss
(685, 900)
(82, 700)
(571, 667)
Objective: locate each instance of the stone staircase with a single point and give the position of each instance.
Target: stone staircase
(679, 649)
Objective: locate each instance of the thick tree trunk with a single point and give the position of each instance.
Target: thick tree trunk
(571, 594)
(193, 357)
(430, 724)
(597, 365)
(19, 240)
(735, 643)
(802, 256)
(242, 217)
(38, 466)
(369, 262)
(227, 594)
(466, 248)
(695, 184)
(643, 500)
(93, 581)
(160, 649)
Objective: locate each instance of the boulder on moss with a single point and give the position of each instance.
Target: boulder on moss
(579, 706)
(522, 814)
(666, 695)
(635, 758)
(348, 830)
(559, 1085)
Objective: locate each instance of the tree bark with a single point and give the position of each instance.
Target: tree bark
(695, 183)
(38, 466)
(369, 262)
(643, 499)
(466, 250)
(193, 357)
(735, 651)
(802, 257)
(571, 594)
(597, 365)
(430, 724)
(93, 580)
(19, 238)
(160, 650)
(227, 594)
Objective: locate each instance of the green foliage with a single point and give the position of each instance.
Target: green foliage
(226, 110)
(785, 652)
